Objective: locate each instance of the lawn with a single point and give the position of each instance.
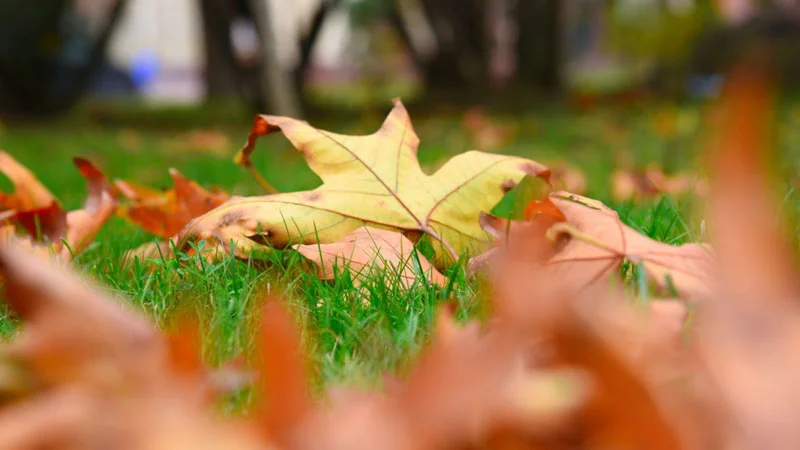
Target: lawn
(352, 334)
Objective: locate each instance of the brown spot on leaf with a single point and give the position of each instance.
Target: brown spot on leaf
(230, 218)
(508, 185)
(313, 196)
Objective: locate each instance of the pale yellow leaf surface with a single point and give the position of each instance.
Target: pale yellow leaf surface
(374, 180)
(369, 248)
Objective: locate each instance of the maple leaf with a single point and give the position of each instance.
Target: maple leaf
(374, 180)
(598, 242)
(40, 214)
(366, 249)
(165, 213)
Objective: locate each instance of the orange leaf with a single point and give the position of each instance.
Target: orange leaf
(68, 234)
(600, 242)
(597, 244)
(29, 193)
(282, 367)
(164, 214)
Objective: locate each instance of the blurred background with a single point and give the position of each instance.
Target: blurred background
(287, 57)
(600, 84)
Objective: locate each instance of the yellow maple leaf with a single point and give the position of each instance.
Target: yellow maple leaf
(374, 180)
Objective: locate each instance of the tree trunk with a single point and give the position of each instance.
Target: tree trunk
(277, 89)
(539, 57)
(35, 80)
(462, 40)
(309, 39)
(219, 68)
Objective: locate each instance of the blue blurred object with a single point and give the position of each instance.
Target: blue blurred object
(144, 68)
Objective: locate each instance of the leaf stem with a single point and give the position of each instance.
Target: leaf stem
(260, 179)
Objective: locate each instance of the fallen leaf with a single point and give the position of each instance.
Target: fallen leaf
(98, 372)
(29, 193)
(633, 184)
(600, 242)
(565, 177)
(597, 244)
(367, 249)
(161, 249)
(372, 180)
(164, 214)
(283, 373)
(757, 263)
(66, 234)
(84, 224)
(485, 132)
(750, 334)
(526, 238)
(207, 141)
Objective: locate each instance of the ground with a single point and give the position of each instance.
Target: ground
(353, 335)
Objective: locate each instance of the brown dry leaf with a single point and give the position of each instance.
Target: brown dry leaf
(485, 132)
(623, 411)
(525, 238)
(155, 250)
(622, 408)
(208, 141)
(659, 369)
(84, 224)
(750, 334)
(600, 242)
(373, 180)
(68, 233)
(199, 141)
(633, 184)
(37, 210)
(98, 374)
(367, 249)
(164, 214)
(468, 390)
(29, 193)
(565, 177)
(597, 243)
(9, 236)
(284, 382)
(757, 262)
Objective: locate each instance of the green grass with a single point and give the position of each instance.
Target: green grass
(353, 334)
